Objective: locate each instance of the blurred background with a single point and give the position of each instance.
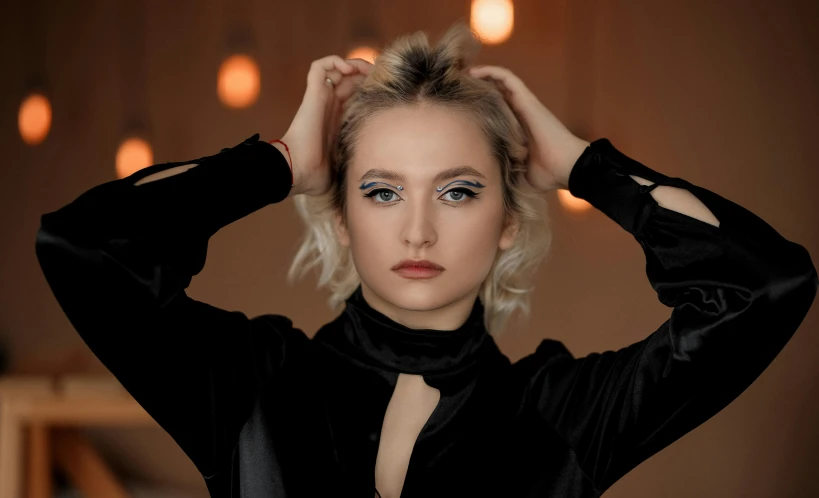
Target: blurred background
(722, 94)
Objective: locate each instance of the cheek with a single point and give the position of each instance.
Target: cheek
(478, 232)
(371, 236)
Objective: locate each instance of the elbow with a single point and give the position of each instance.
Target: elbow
(800, 288)
(792, 291)
(59, 257)
(42, 244)
(45, 245)
(797, 281)
(50, 252)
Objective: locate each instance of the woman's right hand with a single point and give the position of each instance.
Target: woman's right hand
(315, 127)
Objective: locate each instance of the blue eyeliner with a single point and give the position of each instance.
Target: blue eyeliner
(438, 189)
(471, 184)
(368, 185)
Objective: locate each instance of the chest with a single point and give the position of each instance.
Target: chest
(410, 407)
(343, 426)
(349, 433)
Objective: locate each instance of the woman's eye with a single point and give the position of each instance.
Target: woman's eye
(456, 195)
(460, 195)
(381, 195)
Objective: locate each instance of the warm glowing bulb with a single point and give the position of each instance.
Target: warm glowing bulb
(134, 154)
(570, 202)
(34, 118)
(367, 53)
(492, 20)
(238, 82)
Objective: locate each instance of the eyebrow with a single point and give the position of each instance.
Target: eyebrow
(446, 174)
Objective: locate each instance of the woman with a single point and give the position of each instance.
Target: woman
(424, 229)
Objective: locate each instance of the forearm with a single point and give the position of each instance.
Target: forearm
(676, 199)
(680, 200)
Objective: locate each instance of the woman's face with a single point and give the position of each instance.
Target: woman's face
(460, 227)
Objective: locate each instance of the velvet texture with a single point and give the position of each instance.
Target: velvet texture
(263, 411)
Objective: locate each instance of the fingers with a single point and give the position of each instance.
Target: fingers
(332, 62)
(360, 68)
(333, 123)
(347, 85)
(332, 67)
(330, 82)
(364, 67)
(335, 75)
(498, 73)
(349, 82)
(328, 73)
(506, 81)
(518, 97)
(343, 91)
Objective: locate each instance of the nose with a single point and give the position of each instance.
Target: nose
(419, 227)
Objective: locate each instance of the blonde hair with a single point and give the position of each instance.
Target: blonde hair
(411, 72)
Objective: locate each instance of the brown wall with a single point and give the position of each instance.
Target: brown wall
(723, 94)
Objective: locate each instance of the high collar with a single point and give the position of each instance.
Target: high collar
(375, 339)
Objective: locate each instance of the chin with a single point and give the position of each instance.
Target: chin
(419, 295)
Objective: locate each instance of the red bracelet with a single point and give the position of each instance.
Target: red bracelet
(292, 179)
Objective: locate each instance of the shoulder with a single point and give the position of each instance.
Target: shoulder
(548, 353)
(278, 327)
(275, 342)
(277, 331)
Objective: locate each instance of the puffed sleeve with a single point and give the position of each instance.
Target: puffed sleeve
(738, 291)
(118, 260)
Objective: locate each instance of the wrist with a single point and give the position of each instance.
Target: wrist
(575, 151)
(285, 151)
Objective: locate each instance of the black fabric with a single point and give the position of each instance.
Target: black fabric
(262, 410)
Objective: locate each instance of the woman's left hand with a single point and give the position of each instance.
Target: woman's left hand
(553, 149)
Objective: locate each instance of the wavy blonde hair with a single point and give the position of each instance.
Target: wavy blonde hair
(412, 72)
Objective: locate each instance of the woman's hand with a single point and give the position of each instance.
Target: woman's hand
(553, 149)
(316, 125)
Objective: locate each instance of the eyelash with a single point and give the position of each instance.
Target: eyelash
(469, 195)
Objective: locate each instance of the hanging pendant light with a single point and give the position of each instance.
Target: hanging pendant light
(364, 34)
(238, 79)
(579, 101)
(570, 202)
(365, 52)
(134, 151)
(133, 154)
(34, 116)
(492, 20)
(238, 82)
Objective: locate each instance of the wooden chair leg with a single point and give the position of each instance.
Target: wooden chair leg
(10, 450)
(84, 466)
(39, 482)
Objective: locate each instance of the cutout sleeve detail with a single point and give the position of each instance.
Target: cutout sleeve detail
(738, 292)
(118, 260)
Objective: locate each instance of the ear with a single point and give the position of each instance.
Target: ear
(510, 232)
(341, 230)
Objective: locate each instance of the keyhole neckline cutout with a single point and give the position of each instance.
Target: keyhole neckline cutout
(379, 340)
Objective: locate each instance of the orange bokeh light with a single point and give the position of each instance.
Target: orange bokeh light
(34, 118)
(492, 20)
(570, 202)
(133, 155)
(238, 82)
(367, 53)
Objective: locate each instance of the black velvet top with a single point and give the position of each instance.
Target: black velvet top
(262, 410)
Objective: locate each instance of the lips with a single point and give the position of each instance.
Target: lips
(418, 269)
(418, 263)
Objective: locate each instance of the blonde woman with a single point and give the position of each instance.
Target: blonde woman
(420, 180)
